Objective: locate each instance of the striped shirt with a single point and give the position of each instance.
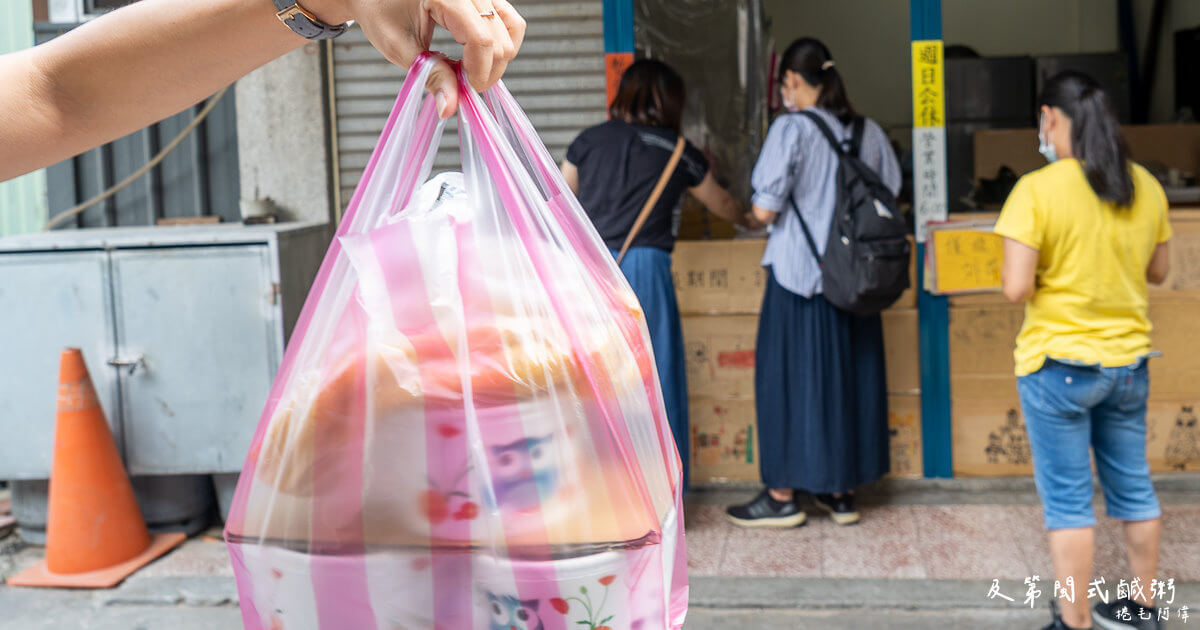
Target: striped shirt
(797, 163)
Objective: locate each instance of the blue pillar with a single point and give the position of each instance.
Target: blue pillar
(618, 26)
(926, 26)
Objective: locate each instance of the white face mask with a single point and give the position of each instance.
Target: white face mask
(1045, 147)
(787, 102)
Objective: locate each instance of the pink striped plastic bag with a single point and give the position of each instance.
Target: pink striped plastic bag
(467, 430)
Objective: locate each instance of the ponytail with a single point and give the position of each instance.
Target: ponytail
(810, 59)
(1096, 139)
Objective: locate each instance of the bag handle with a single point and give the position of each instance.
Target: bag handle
(654, 195)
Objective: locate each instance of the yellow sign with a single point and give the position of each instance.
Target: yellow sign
(965, 258)
(929, 102)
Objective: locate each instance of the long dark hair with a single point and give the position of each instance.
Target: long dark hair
(1096, 138)
(809, 58)
(650, 93)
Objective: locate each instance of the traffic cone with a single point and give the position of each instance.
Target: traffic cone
(95, 535)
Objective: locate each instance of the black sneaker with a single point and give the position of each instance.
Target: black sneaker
(765, 511)
(841, 508)
(1058, 623)
(1124, 614)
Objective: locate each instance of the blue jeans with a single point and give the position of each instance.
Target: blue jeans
(1070, 407)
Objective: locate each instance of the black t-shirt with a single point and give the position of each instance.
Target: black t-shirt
(619, 164)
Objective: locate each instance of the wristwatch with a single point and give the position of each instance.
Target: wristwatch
(304, 23)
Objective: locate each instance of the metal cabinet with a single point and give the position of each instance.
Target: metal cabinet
(182, 330)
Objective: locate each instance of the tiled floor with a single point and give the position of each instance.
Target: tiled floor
(921, 541)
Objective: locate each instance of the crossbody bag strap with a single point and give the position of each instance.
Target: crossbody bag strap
(654, 195)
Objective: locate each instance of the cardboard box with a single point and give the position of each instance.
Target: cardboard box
(902, 351)
(982, 340)
(1176, 374)
(719, 277)
(904, 436)
(1183, 281)
(724, 441)
(988, 438)
(720, 355)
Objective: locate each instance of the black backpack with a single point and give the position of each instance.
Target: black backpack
(865, 266)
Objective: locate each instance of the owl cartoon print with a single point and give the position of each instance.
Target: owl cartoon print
(510, 613)
(523, 471)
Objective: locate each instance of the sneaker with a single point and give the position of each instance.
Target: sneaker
(1124, 614)
(765, 511)
(1058, 623)
(840, 508)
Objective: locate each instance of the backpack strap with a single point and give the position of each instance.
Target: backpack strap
(812, 245)
(839, 146)
(825, 131)
(856, 137)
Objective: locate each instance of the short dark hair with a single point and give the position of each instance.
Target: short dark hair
(811, 59)
(1096, 138)
(650, 93)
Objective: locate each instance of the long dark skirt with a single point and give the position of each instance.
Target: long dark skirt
(648, 270)
(821, 394)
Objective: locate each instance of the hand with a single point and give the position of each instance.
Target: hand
(402, 30)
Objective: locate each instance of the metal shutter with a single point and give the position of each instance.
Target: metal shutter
(558, 78)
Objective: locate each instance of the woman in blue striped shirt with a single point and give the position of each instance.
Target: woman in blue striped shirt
(819, 379)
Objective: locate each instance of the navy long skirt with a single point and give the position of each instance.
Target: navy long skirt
(821, 394)
(648, 270)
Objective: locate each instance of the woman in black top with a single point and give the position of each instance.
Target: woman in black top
(612, 168)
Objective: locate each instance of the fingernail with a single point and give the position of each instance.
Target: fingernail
(441, 104)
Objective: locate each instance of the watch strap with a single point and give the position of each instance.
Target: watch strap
(304, 23)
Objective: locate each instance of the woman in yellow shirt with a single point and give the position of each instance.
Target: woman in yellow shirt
(1083, 236)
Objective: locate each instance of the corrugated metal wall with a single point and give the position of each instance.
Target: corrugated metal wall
(198, 178)
(22, 200)
(558, 78)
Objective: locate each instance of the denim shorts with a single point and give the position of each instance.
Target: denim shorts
(1071, 407)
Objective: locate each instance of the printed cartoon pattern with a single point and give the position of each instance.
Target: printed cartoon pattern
(595, 620)
(1183, 444)
(510, 613)
(1009, 443)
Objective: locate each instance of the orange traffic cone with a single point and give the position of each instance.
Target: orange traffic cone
(95, 535)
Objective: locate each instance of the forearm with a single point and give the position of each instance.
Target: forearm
(730, 210)
(125, 70)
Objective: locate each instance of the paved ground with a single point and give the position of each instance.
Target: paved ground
(924, 557)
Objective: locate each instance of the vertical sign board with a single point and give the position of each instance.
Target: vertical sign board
(929, 135)
(614, 66)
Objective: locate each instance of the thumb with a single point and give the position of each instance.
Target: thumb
(443, 83)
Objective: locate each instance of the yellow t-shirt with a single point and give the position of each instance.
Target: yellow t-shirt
(1090, 305)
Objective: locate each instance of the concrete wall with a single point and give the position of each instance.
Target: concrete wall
(870, 39)
(283, 136)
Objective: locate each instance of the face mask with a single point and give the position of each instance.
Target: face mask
(1045, 147)
(787, 102)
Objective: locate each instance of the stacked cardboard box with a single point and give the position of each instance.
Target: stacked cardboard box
(720, 286)
(988, 430)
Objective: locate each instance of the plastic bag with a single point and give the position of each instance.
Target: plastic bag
(467, 430)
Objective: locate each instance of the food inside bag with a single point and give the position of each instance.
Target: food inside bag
(466, 431)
